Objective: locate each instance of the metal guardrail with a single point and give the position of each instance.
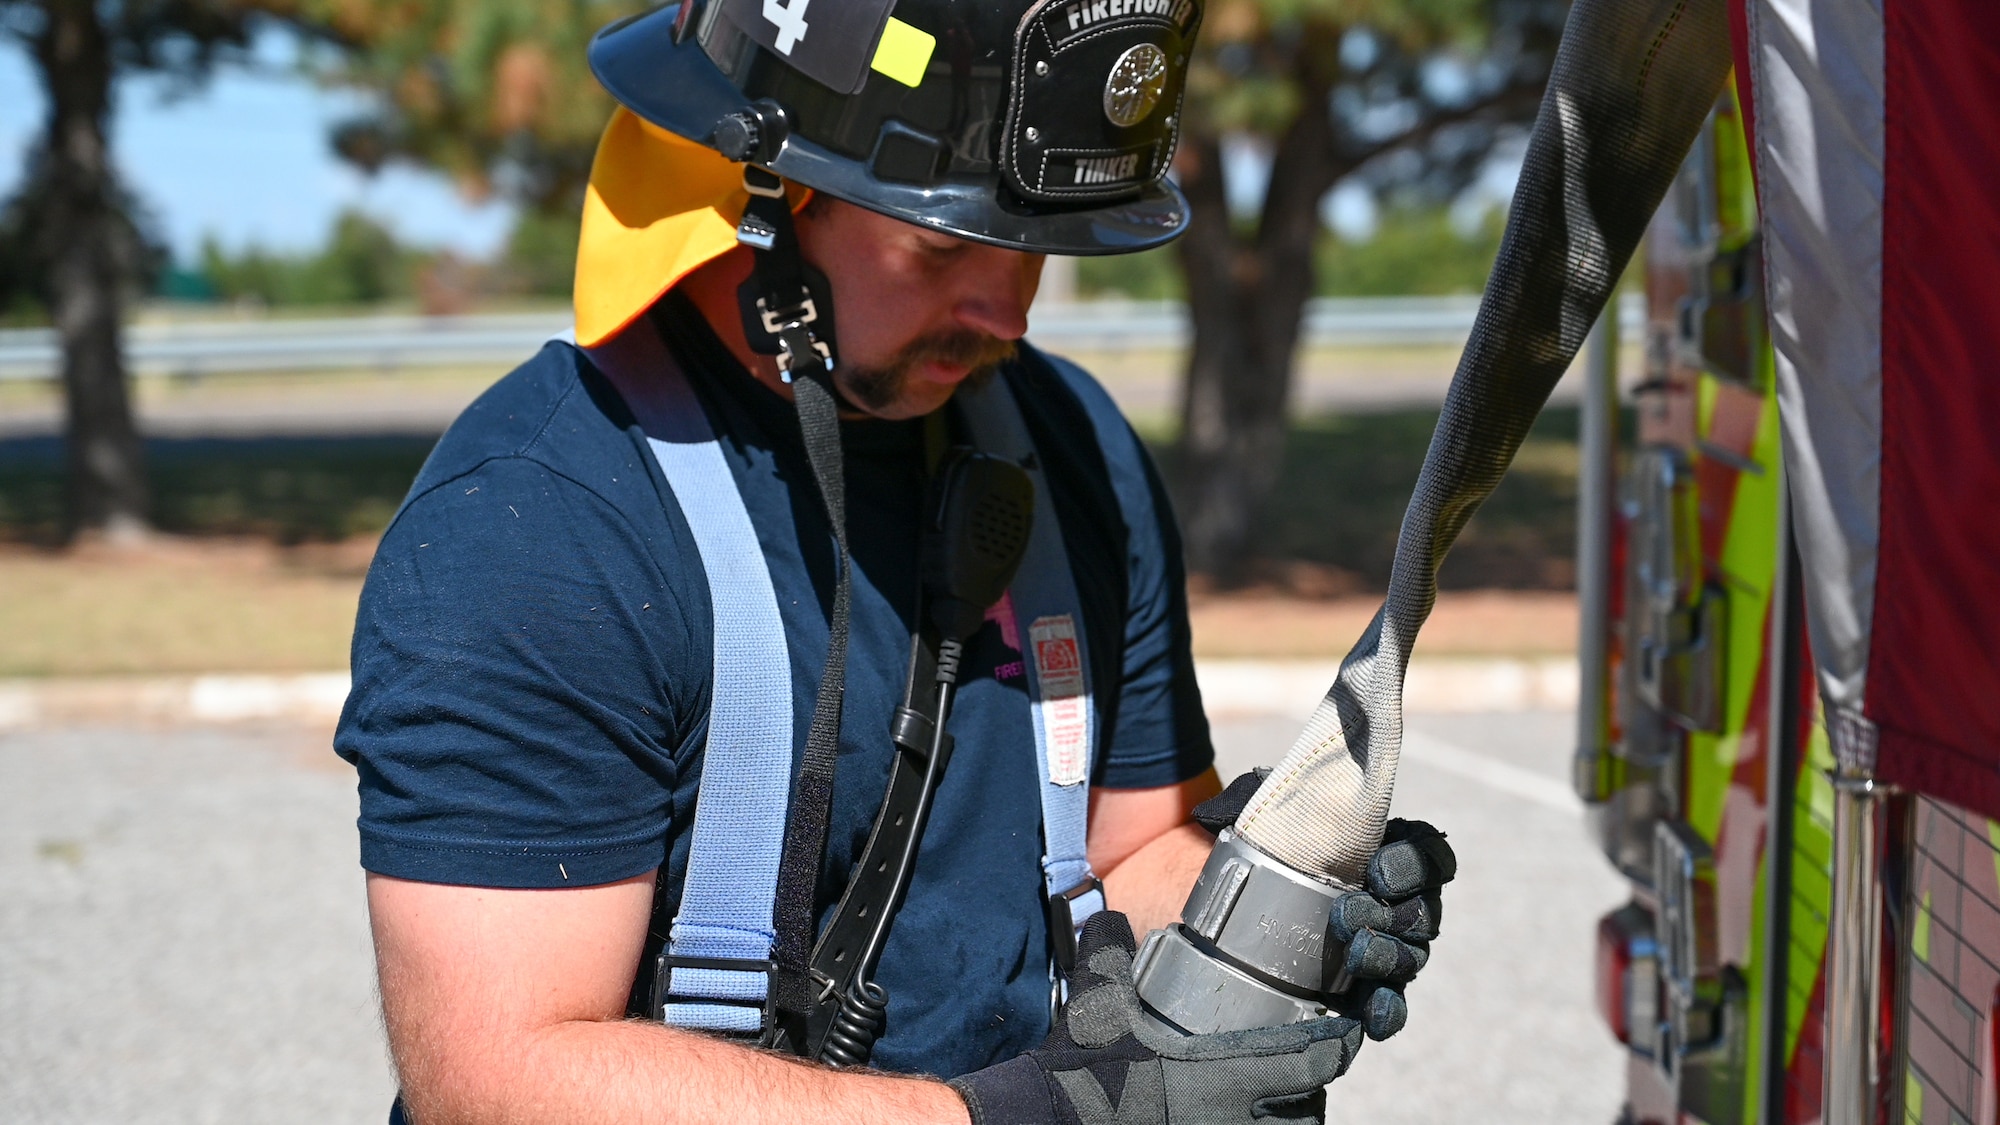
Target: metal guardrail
(394, 343)
(387, 343)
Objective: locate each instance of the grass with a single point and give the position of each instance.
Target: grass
(177, 608)
(275, 536)
(1347, 479)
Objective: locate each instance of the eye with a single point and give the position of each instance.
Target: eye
(940, 247)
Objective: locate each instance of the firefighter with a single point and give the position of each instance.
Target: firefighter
(660, 619)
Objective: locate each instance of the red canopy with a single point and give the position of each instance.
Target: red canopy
(1878, 135)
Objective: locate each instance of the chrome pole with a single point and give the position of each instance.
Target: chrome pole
(1854, 954)
(1596, 492)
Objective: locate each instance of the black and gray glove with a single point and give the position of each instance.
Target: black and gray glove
(1388, 929)
(1104, 1064)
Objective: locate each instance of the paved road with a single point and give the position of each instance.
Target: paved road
(181, 934)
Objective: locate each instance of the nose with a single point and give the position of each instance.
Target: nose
(999, 287)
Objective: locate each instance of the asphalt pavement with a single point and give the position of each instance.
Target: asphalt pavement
(182, 937)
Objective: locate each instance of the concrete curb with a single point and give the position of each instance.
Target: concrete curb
(1292, 688)
(1232, 689)
(172, 701)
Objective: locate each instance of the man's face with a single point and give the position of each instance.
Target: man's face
(917, 312)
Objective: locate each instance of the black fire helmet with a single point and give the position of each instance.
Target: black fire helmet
(1046, 126)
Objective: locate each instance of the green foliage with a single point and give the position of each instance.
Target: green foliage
(495, 93)
(1150, 275)
(289, 489)
(1252, 54)
(540, 258)
(1412, 254)
(362, 263)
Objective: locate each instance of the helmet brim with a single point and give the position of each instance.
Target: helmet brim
(677, 87)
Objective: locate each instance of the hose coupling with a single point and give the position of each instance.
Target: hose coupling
(1252, 948)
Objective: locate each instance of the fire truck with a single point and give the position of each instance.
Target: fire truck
(1789, 737)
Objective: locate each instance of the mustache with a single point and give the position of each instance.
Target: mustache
(961, 347)
(877, 389)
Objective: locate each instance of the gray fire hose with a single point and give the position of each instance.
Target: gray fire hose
(1632, 83)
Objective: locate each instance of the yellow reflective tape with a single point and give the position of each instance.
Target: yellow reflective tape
(1993, 835)
(1920, 934)
(904, 53)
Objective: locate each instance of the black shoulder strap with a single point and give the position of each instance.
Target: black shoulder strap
(782, 306)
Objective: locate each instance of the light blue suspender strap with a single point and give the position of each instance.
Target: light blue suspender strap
(1056, 656)
(739, 824)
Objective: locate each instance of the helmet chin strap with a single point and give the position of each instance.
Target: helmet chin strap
(787, 313)
(787, 306)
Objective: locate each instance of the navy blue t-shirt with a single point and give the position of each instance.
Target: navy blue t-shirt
(532, 664)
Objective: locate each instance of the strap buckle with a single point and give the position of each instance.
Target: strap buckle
(756, 233)
(664, 994)
(1063, 923)
(792, 325)
(795, 342)
(763, 181)
(804, 312)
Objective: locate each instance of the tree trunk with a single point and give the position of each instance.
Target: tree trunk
(89, 269)
(1247, 295)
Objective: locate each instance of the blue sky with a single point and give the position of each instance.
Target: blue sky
(247, 160)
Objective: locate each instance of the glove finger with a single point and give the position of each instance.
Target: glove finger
(1414, 857)
(1413, 919)
(1307, 1107)
(1273, 1072)
(1106, 929)
(1380, 957)
(1416, 919)
(1353, 913)
(1330, 1058)
(1103, 1005)
(1329, 1047)
(1269, 1042)
(1384, 1012)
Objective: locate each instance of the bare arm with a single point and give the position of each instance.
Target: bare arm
(508, 1006)
(1146, 850)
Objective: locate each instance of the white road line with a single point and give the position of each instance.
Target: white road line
(1513, 780)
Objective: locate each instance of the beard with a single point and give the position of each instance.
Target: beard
(879, 389)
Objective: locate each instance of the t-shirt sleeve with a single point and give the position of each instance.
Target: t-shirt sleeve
(1158, 731)
(516, 715)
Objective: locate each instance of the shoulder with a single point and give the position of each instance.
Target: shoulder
(541, 488)
(1075, 420)
(554, 409)
(1066, 396)
(552, 426)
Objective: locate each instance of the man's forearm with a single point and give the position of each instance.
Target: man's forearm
(1152, 885)
(609, 1073)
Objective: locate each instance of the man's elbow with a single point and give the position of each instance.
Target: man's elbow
(490, 1077)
